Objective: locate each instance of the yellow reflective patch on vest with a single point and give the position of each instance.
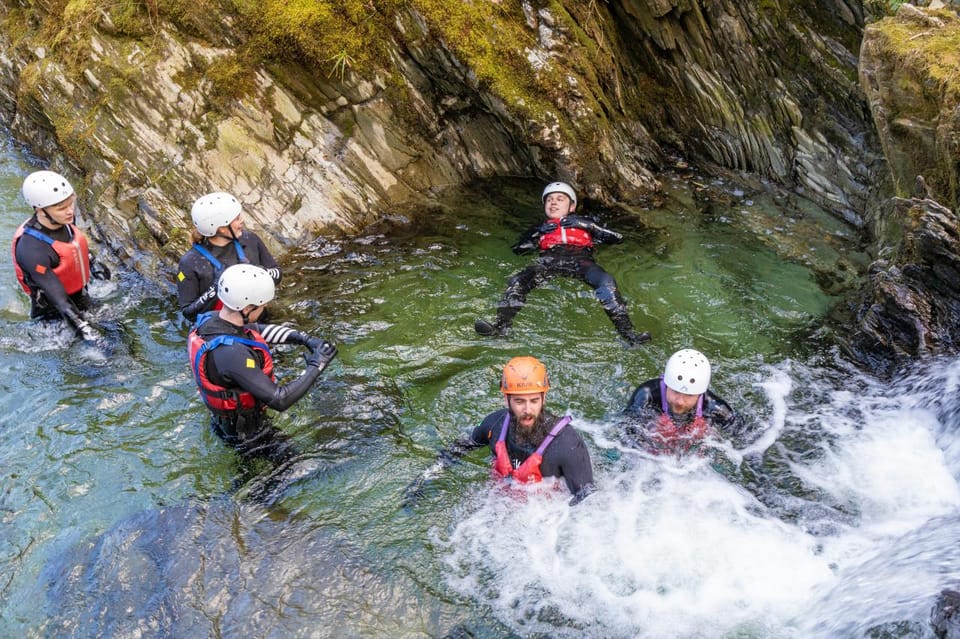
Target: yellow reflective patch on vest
(251, 363)
(181, 276)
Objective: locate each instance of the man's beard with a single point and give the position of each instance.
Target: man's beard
(532, 436)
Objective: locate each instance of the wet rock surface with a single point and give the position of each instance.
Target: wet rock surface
(910, 306)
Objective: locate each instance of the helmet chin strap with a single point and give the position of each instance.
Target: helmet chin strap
(52, 222)
(246, 316)
(232, 237)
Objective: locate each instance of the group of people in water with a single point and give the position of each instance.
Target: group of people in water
(228, 277)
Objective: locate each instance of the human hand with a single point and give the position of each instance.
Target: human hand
(322, 355)
(547, 227)
(313, 343)
(99, 271)
(575, 222)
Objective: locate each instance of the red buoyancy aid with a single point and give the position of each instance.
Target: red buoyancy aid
(669, 437)
(561, 235)
(673, 438)
(529, 470)
(73, 271)
(219, 398)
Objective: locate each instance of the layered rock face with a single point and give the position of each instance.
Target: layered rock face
(303, 156)
(609, 92)
(765, 87)
(911, 304)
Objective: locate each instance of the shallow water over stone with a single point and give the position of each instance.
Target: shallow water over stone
(123, 516)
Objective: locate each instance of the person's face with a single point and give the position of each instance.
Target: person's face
(255, 314)
(59, 214)
(680, 403)
(526, 408)
(558, 205)
(236, 227)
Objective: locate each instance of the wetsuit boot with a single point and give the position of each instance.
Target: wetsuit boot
(616, 309)
(501, 325)
(621, 321)
(486, 328)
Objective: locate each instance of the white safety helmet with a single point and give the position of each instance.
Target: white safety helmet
(241, 285)
(45, 188)
(214, 210)
(687, 371)
(560, 187)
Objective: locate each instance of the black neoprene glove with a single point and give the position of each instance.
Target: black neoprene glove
(577, 222)
(546, 227)
(322, 355)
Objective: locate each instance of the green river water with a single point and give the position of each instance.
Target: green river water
(123, 516)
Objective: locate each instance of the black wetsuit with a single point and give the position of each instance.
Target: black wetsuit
(48, 298)
(646, 405)
(197, 274)
(566, 260)
(565, 457)
(229, 365)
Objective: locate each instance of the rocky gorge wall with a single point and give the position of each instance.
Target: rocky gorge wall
(603, 95)
(910, 305)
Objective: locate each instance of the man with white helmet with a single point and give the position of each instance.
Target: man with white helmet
(233, 367)
(677, 411)
(566, 244)
(219, 240)
(52, 257)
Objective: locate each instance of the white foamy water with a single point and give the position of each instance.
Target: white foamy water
(673, 548)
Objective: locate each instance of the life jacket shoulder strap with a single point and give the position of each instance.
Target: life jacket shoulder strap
(217, 264)
(553, 434)
(34, 233)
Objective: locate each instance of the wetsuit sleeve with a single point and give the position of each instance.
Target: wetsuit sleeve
(599, 234)
(279, 334)
(478, 437)
(258, 254)
(238, 365)
(448, 457)
(193, 296)
(603, 235)
(646, 396)
(723, 418)
(528, 241)
(284, 397)
(489, 429)
(458, 449)
(575, 465)
(37, 260)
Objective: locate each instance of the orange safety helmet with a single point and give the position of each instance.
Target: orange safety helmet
(524, 375)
